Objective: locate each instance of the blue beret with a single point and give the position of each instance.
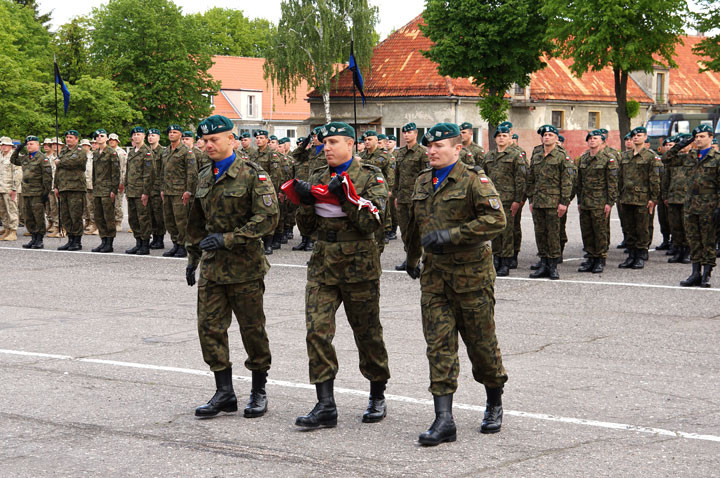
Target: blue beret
(72, 132)
(547, 128)
(409, 127)
(561, 138)
(515, 136)
(703, 128)
(214, 124)
(175, 127)
(137, 129)
(439, 132)
(596, 132)
(260, 132)
(382, 136)
(627, 136)
(336, 128)
(300, 139)
(603, 131)
(466, 125)
(316, 129)
(236, 137)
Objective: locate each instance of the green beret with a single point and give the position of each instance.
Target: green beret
(465, 125)
(703, 128)
(502, 128)
(214, 124)
(246, 135)
(72, 132)
(370, 133)
(236, 137)
(391, 137)
(260, 132)
(32, 138)
(547, 128)
(506, 124)
(153, 131)
(596, 132)
(409, 127)
(439, 132)
(137, 129)
(515, 136)
(283, 140)
(681, 136)
(336, 128)
(667, 140)
(187, 134)
(382, 136)
(300, 139)
(561, 138)
(273, 138)
(603, 131)
(98, 132)
(316, 129)
(715, 140)
(174, 127)
(639, 129)
(627, 136)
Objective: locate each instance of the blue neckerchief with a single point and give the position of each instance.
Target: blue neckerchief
(439, 175)
(319, 148)
(222, 166)
(341, 168)
(703, 153)
(32, 155)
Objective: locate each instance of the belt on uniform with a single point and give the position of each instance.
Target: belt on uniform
(452, 248)
(707, 191)
(341, 236)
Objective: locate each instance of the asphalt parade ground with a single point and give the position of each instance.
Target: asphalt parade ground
(614, 374)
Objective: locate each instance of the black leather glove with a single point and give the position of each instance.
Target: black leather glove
(684, 143)
(213, 242)
(306, 141)
(716, 217)
(22, 145)
(413, 272)
(435, 238)
(304, 190)
(190, 275)
(336, 187)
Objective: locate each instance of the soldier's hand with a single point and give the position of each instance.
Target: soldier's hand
(144, 199)
(336, 187)
(651, 206)
(304, 191)
(22, 145)
(514, 208)
(684, 143)
(190, 275)
(562, 209)
(57, 193)
(413, 272)
(306, 141)
(185, 198)
(436, 238)
(112, 197)
(716, 217)
(213, 242)
(607, 210)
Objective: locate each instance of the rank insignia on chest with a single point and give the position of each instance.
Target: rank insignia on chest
(267, 199)
(380, 180)
(484, 180)
(216, 171)
(494, 203)
(435, 181)
(262, 177)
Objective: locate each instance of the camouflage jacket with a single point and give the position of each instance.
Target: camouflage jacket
(467, 157)
(106, 172)
(703, 184)
(508, 172)
(302, 163)
(10, 175)
(157, 169)
(122, 159)
(249, 152)
(381, 159)
(202, 159)
(477, 151)
(597, 180)
(271, 162)
(466, 204)
(345, 250)
(674, 180)
(70, 171)
(288, 168)
(139, 177)
(242, 206)
(179, 172)
(550, 182)
(639, 177)
(408, 165)
(36, 173)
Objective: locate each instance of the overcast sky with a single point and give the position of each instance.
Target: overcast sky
(393, 13)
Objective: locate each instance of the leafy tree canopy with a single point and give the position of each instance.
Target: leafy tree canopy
(229, 32)
(708, 19)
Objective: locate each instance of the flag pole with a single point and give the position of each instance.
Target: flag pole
(354, 97)
(57, 142)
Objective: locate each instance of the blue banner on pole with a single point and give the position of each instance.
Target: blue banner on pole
(357, 76)
(65, 91)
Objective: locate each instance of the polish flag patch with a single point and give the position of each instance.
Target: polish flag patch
(262, 177)
(380, 180)
(484, 180)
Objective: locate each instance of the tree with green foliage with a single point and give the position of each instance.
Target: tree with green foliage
(43, 18)
(72, 48)
(496, 44)
(158, 55)
(313, 37)
(229, 32)
(707, 19)
(624, 36)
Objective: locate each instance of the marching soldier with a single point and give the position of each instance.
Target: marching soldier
(678, 163)
(114, 142)
(106, 182)
(233, 207)
(70, 189)
(37, 183)
(138, 188)
(10, 184)
(157, 219)
(455, 212)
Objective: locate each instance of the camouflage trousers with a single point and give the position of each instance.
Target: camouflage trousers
(361, 301)
(623, 220)
(283, 207)
(637, 223)
(51, 211)
(119, 209)
(157, 221)
(34, 210)
(215, 306)
(677, 224)
(139, 218)
(663, 220)
(175, 214)
(88, 212)
(563, 231)
(547, 232)
(595, 230)
(471, 314)
(8, 212)
(71, 211)
(393, 213)
(403, 217)
(104, 208)
(701, 237)
(504, 243)
(517, 229)
(290, 216)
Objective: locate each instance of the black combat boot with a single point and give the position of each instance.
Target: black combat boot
(542, 271)
(310, 245)
(66, 246)
(686, 255)
(706, 273)
(694, 278)
(224, 399)
(588, 265)
(103, 240)
(144, 249)
(401, 267)
(496, 261)
(31, 243)
(640, 258)
(108, 247)
(134, 250)
(664, 245)
(677, 257)
(621, 245)
(562, 253)
(267, 245)
(303, 242)
(172, 251)
(77, 244)
(599, 265)
(537, 265)
(504, 269)
(513, 262)
(643, 254)
(552, 269)
(181, 251)
(257, 405)
(38, 241)
(443, 428)
(672, 250)
(629, 261)
(289, 233)
(275, 243)
(325, 413)
(717, 250)
(392, 235)
(284, 237)
(158, 242)
(492, 420)
(376, 409)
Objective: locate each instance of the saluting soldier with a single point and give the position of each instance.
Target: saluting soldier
(157, 219)
(270, 161)
(70, 189)
(179, 180)
(10, 187)
(138, 188)
(673, 183)
(36, 186)
(456, 211)
(639, 185)
(301, 156)
(106, 182)
(234, 206)
(344, 268)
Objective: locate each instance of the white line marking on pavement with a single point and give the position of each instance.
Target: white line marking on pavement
(301, 266)
(395, 398)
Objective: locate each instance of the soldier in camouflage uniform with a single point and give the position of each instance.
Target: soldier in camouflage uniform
(507, 169)
(36, 186)
(157, 221)
(106, 182)
(678, 162)
(179, 179)
(344, 268)
(70, 189)
(549, 191)
(288, 168)
(301, 156)
(114, 143)
(456, 211)
(201, 159)
(466, 131)
(270, 161)
(10, 187)
(639, 185)
(138, 188)
(702, 205)
(625, 155)
(384, 144)
(380, 158)
(246, 145)
(597, 191)
(517, 220)
(233, 207)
